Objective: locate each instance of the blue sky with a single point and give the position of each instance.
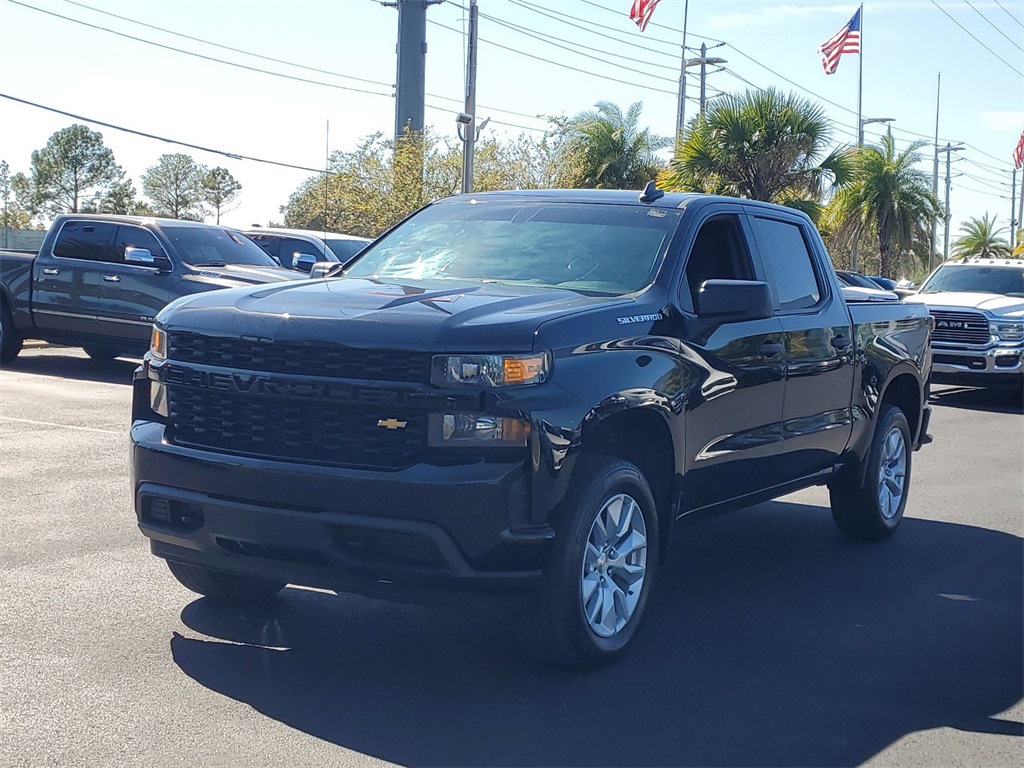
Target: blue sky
(567, 65)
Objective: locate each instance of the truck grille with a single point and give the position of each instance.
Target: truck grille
(311, 358)
(311, 432)
(960, 327)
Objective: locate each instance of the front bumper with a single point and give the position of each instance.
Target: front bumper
(396, 534)
(994, 365)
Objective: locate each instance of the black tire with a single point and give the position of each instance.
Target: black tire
(226, 587)
(858, 508)
(555, 626)
(99, 352)
(10, 339)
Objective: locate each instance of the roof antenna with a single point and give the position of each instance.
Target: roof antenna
(651, 192)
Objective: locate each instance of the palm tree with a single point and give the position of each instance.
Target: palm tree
(981, 238)
(888, 193)
(761, 145)
(608, 150)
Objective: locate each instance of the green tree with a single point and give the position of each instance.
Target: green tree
(220, 188)
(121, 200)
(12, 215)
(75, 168)
(174, 185)
(607, 150)
(981, 238)
(761, 145)
(888, 193)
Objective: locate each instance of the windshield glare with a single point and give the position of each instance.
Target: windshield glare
(210, 246)
(606, 249)
(1008, 281)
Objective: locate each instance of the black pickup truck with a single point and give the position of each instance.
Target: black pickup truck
(98, 281)
(522, 393)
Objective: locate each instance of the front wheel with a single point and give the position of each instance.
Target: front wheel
(100, 352)
(597, 583)
(870, 505)
(226, 587)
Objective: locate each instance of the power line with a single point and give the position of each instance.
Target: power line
(554, 63)
(112, 126)
(997, 29)
(976, 39)
(1019, 22)
(200, 55)
(227, 47)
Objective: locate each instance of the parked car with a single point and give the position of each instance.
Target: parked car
(856, 279)
(300, 249)
(885, 283)
(98, 281)
(978, 306)
(522, 393)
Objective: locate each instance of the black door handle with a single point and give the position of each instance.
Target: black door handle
(772, 349)
(840, 342)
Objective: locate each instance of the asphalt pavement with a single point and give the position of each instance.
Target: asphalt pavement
(770, 640)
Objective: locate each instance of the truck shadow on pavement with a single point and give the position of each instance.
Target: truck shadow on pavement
(75, 366)
(770, 640)
(994, 400)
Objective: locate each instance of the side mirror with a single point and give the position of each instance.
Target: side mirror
(733, 301)
(320, 269)
(144, 257)
(303, 261)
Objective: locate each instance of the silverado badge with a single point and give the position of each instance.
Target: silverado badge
(392, 424)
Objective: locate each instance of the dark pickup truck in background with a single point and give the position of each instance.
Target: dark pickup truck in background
(522, 393)
(98, 281)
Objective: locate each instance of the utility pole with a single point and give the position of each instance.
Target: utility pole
(681, 109)
(410, 88)
(470, 128)
(1013, 207)
(935, 179)
(704, 60)
(949, 149)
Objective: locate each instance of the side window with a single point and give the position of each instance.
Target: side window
(291, 246)
(85, 240)
(268, 243)
(136, 237)
(719, 253)
(784, 248)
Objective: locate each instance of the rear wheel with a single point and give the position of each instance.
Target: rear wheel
(595, 589)
(10, 339)
(227, 587)
(871, 506)
(100, 352)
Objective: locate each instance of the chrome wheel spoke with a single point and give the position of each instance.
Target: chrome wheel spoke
(590, 583)
(633, 543)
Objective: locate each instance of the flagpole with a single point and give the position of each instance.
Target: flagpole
(681, 111)
(860, 128)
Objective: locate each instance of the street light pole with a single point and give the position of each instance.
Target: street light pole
(854, 261)
(935, 179)
(702, 61)
(469, 145)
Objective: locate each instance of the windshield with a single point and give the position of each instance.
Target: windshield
(606, 249)
(1008, 281)
(345, 249)
(215, 247)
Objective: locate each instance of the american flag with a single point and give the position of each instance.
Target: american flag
(1018, 153)
(846, 40)
(641, 12)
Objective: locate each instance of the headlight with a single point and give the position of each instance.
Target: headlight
(158, 345)
(473, 430)
(490, 370)
(1009, 331)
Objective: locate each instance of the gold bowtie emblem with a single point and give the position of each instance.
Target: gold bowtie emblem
(392, 424)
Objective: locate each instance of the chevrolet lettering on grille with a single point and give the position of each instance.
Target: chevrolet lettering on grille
(392, 424)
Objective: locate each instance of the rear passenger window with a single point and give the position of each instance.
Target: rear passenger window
(85, 240)
(268, 243)
(783, 247)
(719, 253)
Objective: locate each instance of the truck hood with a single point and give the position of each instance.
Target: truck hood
(406, 314)
(236, 275)
(992, 303)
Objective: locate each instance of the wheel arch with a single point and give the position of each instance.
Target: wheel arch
(904, 390)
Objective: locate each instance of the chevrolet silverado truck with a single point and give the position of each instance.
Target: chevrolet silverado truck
(98, 281)
(978, 306)
(521, 394)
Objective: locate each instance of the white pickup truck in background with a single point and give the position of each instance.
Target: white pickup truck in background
(978, 307)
